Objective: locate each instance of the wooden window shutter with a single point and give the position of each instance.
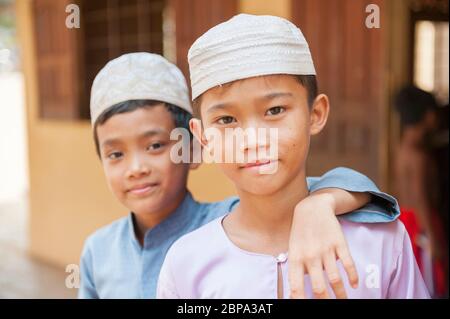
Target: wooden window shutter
(111, 28)
(349, 61)
(56, 59)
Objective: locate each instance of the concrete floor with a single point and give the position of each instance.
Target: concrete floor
(22, 276)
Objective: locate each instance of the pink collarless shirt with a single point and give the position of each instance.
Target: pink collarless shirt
(207, 264)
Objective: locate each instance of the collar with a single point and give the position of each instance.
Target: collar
(173, 224)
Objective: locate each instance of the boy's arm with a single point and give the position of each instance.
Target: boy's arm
(317, 241)
(421, 204)
(87, 288)
(381, 207)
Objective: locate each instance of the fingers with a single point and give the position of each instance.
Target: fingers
(315, 271)
(296, 280)
(347, 261)
(334, 277)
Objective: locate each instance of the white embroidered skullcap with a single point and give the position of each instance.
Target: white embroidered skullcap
(246, 46)
(136, 76)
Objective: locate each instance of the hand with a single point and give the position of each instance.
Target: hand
(316, 242)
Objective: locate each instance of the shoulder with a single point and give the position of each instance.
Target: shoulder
(200, 242)
(197, 237)
(104, 236)
(375, 235)
(190, 258)
(388, 230)
(414, 156)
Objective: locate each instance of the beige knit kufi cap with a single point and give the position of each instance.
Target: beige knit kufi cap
(138, 76)
(246, 46)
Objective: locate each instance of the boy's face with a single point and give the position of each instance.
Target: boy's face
(135, 153)
(275, 101)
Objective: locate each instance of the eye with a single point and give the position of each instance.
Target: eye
(115, 155)
(275, 110)
(226, 120)
(155, 146)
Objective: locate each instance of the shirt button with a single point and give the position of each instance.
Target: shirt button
(282, 258)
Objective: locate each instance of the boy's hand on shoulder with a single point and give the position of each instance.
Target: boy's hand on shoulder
(316, 243)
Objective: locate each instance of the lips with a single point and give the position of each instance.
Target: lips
(256, 164)
(142, 189)
(259, 164)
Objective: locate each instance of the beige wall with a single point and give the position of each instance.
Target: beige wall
(69, 198)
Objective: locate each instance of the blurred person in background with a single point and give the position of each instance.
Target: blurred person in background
(418, 185)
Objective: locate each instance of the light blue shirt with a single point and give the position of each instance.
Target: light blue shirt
(114, 264)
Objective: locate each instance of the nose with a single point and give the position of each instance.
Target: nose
(138, 167)
(255, 138)
(261, 142)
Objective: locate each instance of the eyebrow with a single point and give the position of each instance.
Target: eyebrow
(219, 106)
(153, 132)
(149, 133)
(270, 96)
(275, 95)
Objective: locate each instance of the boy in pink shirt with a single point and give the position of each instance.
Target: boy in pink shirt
(256, 72)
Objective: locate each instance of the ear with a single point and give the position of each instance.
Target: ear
(194, 165)
(319, 114)
(195, 125)
(196, 154)
(197, 130)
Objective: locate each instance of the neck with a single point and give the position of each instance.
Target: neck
(272, 214)
(148, 220)
(414, 136)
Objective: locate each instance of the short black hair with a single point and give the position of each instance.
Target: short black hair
(180, 117)
(309, 82)
(412, 104)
